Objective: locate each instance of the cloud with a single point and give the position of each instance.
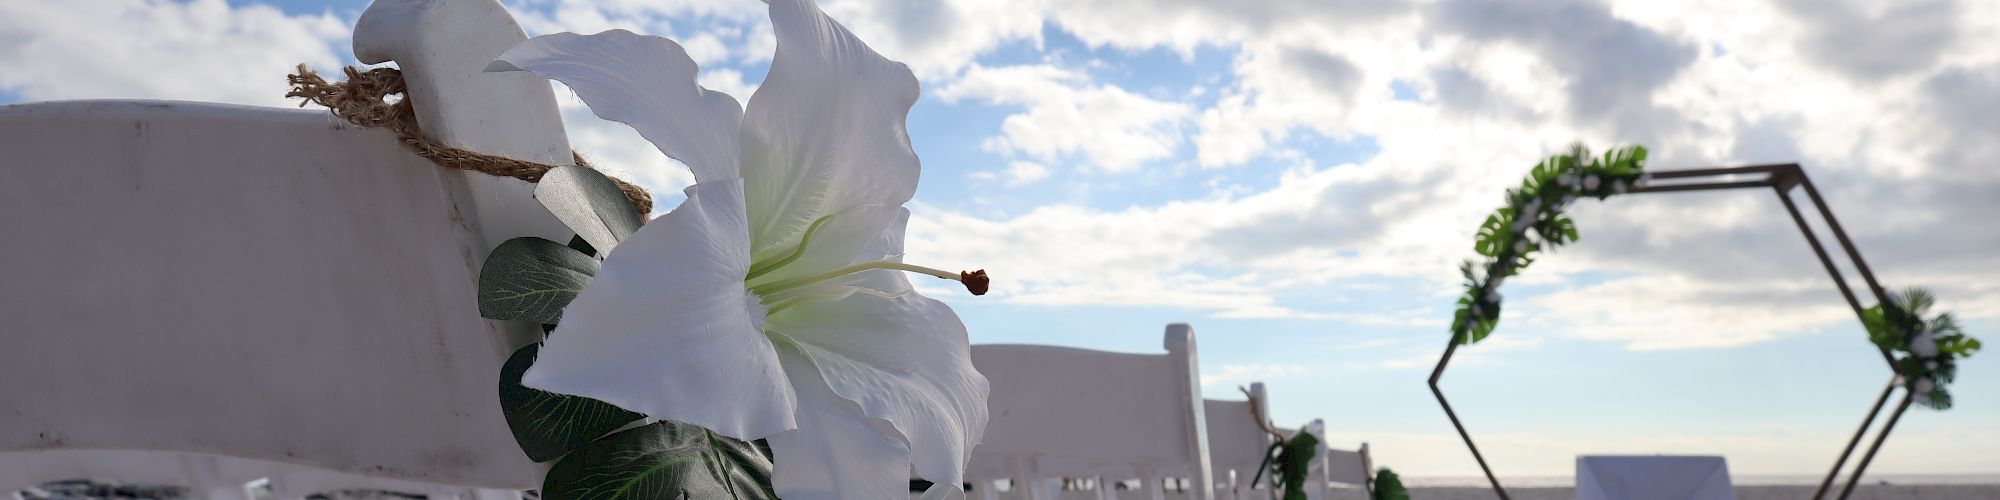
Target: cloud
(1609, 66)
(200, 50)
(1901, 37)
(1184, 24)
(938, 37)
(1675, 312)
(1244, 374)
(1070, 117)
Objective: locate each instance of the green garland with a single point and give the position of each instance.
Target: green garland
(1534, 221)
(1388, 486)
(1930, 348)
(1536, 207)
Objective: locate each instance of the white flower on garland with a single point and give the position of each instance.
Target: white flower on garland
(772, 303)
(1924, 345)
(1921, 393)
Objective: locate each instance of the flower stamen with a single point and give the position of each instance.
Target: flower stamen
(975, 281)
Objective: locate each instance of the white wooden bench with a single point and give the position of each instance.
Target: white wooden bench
(1060, 412)
(1237, 442)
(238, 293)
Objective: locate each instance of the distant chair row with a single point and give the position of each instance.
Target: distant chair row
(1091, 420)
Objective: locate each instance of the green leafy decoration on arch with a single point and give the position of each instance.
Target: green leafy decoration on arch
(1930, 346)
(1533, 222)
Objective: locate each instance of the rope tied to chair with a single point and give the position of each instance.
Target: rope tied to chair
(363, 99)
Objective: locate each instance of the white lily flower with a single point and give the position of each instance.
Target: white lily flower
(772, 302)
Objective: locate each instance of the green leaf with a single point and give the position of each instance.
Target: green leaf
(1388, 486)
(590, 204)
(1494, 234)
(548, 425)
(532, 279)
(1294, 461)
(663, 460)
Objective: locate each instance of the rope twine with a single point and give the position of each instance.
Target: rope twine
(1257, 413)
(363, 100)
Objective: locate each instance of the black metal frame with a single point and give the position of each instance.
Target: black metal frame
(1782, 178)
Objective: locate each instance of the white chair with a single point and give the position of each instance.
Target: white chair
(205, 286)
(1063, 412)
(1237, 441)
(1653, 477)
(1330, 465)
(1353, 468)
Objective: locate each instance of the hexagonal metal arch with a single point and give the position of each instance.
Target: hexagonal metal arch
(1782, 178)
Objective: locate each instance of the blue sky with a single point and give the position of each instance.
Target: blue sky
(1299, 179)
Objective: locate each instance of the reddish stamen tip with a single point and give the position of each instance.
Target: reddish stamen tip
(975, 281)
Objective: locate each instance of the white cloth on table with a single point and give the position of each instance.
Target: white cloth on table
(1652, 477)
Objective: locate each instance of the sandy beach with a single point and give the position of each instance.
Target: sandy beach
(1788, 492)
(1748, 492)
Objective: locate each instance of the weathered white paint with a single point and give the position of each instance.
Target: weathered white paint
(252, 287)
(1066, 412)
(251, 282)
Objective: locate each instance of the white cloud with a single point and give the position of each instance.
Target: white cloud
(1069, 116)
(938, 37)
(1677, 312)
(728, 81)
(203, 50)
(1243, 374)
(1023, 173)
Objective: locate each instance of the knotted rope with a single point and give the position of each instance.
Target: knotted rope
(363, 100)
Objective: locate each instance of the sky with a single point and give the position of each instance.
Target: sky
(1299, 179)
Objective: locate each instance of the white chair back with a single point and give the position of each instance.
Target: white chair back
(1066, 412)
(1350, 467)
(1237, 442)
(272, 284)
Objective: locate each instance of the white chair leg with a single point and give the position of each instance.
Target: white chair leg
(205, 478)
(483, 494)
(1049, 489)
(1155, 488)
(987, 489)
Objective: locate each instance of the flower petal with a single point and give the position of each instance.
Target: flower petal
(944, 491)
(825, 131)
(904, 360)
(665, 329)
(843, 239)
(647, 82)
(837, 451)
(888, 244)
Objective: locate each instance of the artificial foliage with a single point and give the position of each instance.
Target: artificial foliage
(532, 279)
(1534, 221)
(1388, 486)
(1929, 347)
(1289, 461)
